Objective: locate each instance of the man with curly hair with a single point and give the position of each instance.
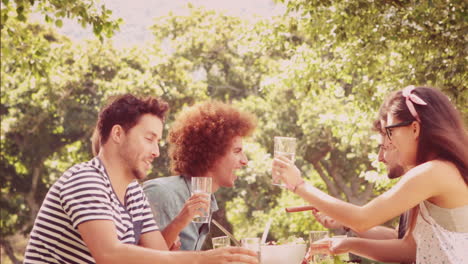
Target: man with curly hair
(204, 141)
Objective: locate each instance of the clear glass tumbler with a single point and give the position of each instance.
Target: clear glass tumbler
(202, 185)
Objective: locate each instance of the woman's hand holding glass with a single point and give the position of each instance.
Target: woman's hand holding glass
(284, 169)
(331, 246)
(340, 245)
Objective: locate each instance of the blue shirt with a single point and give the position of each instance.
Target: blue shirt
(167, 197)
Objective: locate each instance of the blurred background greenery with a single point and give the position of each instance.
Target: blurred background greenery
(317, 71)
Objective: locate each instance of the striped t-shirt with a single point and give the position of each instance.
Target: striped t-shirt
(84, 193)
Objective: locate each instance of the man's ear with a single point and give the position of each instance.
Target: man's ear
(116, 134)
(416, 128)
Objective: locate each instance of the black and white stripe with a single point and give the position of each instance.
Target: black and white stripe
(84, 193)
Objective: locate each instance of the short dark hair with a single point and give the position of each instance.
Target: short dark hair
(126, 110)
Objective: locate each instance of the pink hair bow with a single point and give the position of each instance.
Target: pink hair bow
(412, 98)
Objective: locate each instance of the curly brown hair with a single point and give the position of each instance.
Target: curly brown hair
(203, 133)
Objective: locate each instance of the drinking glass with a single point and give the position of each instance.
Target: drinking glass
(252, 243)
(284, 146)
(202, 185)
(317, 243)
(220, 242)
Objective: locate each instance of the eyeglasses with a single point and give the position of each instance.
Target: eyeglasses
(388, 129)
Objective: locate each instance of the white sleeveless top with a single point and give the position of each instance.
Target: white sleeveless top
(435, 244)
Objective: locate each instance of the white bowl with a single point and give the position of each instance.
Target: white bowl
(283, 254)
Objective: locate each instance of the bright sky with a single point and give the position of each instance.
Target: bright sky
(139, 15)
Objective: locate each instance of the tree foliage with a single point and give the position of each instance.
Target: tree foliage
(381, 44)
(42, 99)
(87, 13)
(19, 33)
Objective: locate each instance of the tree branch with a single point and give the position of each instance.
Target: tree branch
(314, 156)
(331, 186)
(32, 204)
(340, 182)
(368, 191)
(44, 114)
(355, 185)
(6, 245)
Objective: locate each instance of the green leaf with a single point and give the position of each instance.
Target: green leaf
(97, 29)
(59, 23)
(21, 17)
(61, 13)
(4, 19)
(20, 9)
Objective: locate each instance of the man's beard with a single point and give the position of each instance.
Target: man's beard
(138, 174)
(131, 162)
(395, 172)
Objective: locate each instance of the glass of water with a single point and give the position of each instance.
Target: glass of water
(220, 242)
(202, 185)
(319, 244)
(286, 147)
(252, 243)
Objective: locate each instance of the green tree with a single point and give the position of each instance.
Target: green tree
(15, 17)
(36, 123)
(382, 45)
(219, 50)
(39, 120)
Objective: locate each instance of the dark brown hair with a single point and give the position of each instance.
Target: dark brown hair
(203, 133)
(442, 130)
(376, 124)
(126, 110)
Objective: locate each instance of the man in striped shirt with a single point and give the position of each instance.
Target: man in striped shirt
(97, 212)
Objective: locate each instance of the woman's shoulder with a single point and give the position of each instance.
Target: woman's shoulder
(437, 173)
(437, 167)
(448, 184)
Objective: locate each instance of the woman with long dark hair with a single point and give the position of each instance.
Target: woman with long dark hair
(432, 144)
